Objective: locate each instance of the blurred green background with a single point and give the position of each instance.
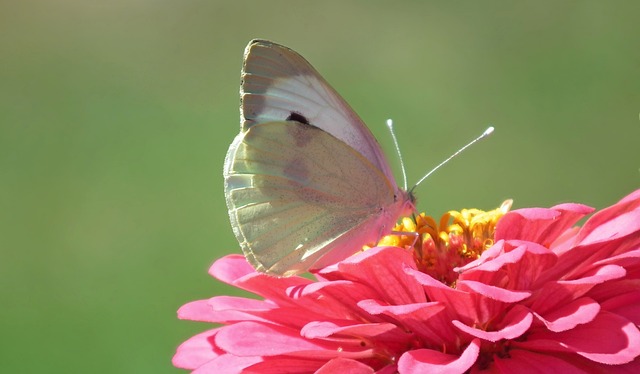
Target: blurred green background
(116, 116)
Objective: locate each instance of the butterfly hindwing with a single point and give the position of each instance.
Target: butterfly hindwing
(293, 190)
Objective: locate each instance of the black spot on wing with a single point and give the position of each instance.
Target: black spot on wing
(298, 117)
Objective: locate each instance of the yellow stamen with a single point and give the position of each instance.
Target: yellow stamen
(458, 239)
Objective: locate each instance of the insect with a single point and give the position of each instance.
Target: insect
(306, 182)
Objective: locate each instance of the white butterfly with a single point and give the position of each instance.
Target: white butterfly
(306, 183)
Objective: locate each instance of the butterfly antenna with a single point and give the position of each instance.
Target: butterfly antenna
(395, 142)
(486, 133)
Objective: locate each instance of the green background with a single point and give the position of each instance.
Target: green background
(116, 116)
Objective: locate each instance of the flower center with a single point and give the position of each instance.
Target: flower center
(458, 239)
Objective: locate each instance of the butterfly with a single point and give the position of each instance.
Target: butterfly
(306, 183)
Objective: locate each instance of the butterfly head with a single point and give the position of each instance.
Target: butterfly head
(408, 201)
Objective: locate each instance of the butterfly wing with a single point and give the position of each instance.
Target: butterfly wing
(278, 84)
(296, 192)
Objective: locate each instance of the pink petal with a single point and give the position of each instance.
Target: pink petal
(609, 339)
(280, 364)
(344, 366)
(258, 339)
(226, 309)
(491, 261)
(625, 305)
(461, 302)
(235, 309)
(517, 266)
(625, 259)
(336, 299)
(573, 263)
(220, 303)
(389, 369)
(325, 329)
(382, 268)
(599, 275)
(229, 268)
(540, 225)
(526, 362)
(554, 294)
(492, 292)
(199, 310)
(617, 221)
(608, 290)
(197, 351)
(413, 317)
(634, 196)
(632, 367)
(227, 364)
(385, 336)
(280, 291)
(621, 226)
(568, 316)
(430, 361)
(566, 241)
(516, 322)
(235, 270)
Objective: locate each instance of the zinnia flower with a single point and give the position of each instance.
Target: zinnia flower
(525, 291)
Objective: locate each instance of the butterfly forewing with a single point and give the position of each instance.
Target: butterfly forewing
(294, 190)
(278, 84)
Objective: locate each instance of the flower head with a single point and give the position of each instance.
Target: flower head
(514, 292)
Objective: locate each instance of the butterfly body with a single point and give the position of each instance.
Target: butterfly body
(306, 183)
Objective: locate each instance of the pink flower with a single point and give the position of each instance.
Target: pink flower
(546, 297)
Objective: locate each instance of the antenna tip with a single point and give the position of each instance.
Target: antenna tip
(488, 131)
